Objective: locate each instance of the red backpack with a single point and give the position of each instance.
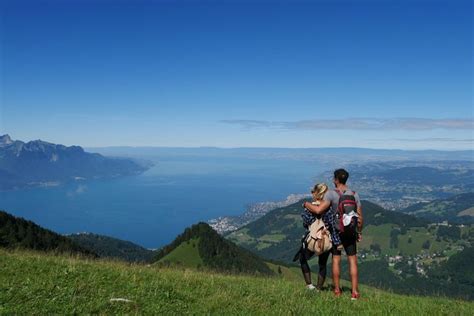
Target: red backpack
(347, 203)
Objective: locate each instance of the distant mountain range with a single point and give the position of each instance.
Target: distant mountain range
(39, 163)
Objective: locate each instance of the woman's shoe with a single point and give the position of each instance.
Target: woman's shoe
(337, 292)
(355, 296)
(310, 287)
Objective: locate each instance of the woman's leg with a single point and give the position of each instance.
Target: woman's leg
(304, 257)
(322, 262)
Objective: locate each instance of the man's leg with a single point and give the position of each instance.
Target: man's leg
(336, 271)
(354, 273)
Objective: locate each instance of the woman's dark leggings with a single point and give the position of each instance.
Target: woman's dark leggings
(322, 262)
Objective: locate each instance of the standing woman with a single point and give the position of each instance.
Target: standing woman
(304, 255)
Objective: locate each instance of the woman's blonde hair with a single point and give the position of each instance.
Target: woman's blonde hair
(319, 190)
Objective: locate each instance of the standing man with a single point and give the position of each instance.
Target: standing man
(349, 235)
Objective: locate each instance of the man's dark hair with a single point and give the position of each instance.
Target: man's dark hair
(341, 175)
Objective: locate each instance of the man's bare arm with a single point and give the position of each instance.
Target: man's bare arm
(317, 209)
(360, 221)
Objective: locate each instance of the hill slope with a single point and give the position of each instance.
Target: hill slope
(39, 163)
(398, 251)
(455, 209)
(202, 247)
(33, 283)
(16, 232)
(277, 234)
(108, 247)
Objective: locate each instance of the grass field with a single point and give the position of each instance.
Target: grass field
(36, 283)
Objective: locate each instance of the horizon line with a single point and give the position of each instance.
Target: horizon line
(258, 147)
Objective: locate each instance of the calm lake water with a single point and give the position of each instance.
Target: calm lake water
(152, 208)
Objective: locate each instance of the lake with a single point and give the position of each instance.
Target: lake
(151, 209)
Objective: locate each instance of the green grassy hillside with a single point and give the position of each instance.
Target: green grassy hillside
(398, 251)
(455, 209)
(277, 234)
(38, 283)
(186, 255)
(200, 246)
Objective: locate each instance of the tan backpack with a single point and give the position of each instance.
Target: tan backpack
(319, 239)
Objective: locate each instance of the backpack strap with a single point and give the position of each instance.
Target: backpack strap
(341, 193)
(339, 210)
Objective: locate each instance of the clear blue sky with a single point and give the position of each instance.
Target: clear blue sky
(380, 74)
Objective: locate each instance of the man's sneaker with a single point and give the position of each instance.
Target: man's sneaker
(355, 296)
(337, 292)
(310, 287)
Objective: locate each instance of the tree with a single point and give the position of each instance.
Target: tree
(403, 230)
(375, 248)
(426, 245)
(394, 238)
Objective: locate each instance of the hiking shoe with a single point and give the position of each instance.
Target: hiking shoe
(355, 296)
(337, 292)
(310, 287)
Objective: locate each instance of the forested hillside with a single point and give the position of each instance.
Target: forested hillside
(453, 277)
(456, 209)
(16, 232)
(108, 247)
(398, 251)
(202, 247)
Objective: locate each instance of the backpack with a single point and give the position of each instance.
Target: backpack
(318, 239)
(347, 205)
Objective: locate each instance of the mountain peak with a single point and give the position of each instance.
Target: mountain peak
(204, 247)
(5, 140)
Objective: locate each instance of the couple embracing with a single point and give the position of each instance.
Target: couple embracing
(341, 212)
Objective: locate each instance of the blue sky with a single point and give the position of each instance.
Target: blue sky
(380, 74)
